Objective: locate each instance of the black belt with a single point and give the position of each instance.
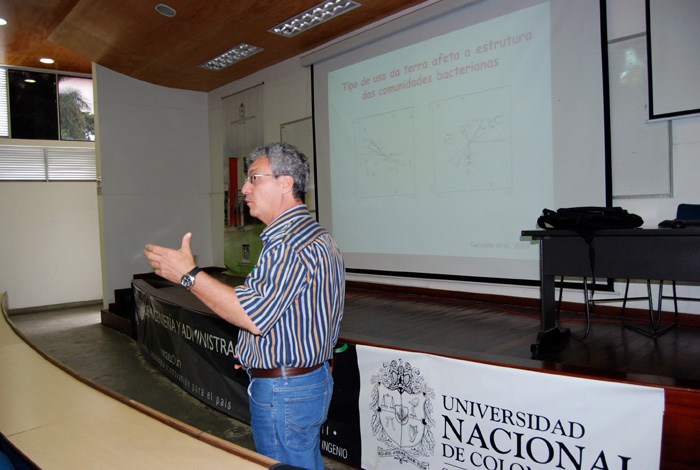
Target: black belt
(277, 372)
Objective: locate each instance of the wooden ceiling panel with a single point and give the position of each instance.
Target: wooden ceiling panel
(24, 40)
(124, 27)
(131, 37)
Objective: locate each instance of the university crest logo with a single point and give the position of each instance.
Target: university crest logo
(402, 413)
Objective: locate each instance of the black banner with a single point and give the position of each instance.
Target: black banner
(194, 350)
(340, 435)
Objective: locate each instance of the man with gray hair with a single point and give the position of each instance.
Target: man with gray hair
(288, 310)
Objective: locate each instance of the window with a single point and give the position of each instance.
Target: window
(33, 110)
(77, 118)
(46, 106)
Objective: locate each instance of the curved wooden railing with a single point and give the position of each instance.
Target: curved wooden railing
(58, 419)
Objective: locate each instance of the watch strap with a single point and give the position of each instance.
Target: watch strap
(194, 271)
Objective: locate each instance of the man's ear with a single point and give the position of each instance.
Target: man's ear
(287, 183)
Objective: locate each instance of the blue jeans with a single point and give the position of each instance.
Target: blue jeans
(286, 415)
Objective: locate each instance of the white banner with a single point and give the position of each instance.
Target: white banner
(243, 115)
(428, 412)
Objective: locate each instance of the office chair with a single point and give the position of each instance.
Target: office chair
(590, 302)
(655, 329)
(689, 214)
(686, 215)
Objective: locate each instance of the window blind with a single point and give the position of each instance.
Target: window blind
(41, 163)
(4, 113)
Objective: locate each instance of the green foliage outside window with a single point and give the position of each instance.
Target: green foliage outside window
(77, 123)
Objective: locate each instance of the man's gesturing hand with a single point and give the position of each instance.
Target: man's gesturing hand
(169, 263)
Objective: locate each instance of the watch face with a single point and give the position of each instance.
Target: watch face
(187, 281)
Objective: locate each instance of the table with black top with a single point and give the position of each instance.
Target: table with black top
(658, 254)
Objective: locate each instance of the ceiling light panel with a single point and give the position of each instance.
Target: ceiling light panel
(313, 17)
(231, 56)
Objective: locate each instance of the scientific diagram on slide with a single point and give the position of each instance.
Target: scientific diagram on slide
(385, 157)
(472, 142)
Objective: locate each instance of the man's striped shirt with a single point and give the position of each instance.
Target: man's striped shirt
(295, 295)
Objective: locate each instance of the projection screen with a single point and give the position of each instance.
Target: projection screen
(438, 144)
(673, 37)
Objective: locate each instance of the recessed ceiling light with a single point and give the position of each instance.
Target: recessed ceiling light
(165, 10)
(313, 17)
(46, 60)
(231, 56)
(3, 21)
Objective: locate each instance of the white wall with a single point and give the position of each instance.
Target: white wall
(627, 18)
(162, 154)
(49, 243)
(153, 149)
(287, 97)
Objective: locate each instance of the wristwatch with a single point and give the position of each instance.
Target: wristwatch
(187, 280)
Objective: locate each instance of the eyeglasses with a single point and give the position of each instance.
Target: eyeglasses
(253, 178)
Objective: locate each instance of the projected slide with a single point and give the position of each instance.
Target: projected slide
(385, 160)
(439, 144)
(442, 127)
(472, 142)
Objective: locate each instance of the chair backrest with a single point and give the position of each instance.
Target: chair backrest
(688, 212)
